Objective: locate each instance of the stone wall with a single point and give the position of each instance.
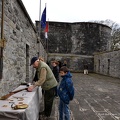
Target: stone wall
(74, 62)
(88, 38)
(83, 38)
(107, 63)
(21, 45)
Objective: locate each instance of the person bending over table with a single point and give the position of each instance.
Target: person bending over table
(47, 82)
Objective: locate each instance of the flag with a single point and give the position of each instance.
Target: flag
(46, 35)
(43, 19)
(46, 30)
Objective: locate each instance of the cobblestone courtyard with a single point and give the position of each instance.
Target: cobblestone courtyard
(96, 98)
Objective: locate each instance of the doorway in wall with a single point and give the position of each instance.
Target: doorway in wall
(27, 63)
(98, 65)
(108, 70)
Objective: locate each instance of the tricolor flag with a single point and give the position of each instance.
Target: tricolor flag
(43, 19)
(46, 30)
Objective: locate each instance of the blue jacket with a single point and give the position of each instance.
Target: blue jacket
(66, 88)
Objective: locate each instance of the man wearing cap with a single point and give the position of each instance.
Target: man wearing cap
(47, 81)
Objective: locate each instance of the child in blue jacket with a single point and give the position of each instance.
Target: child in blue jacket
(65, 93)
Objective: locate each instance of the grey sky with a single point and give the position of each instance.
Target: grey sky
(74, 10)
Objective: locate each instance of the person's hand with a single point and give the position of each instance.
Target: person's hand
(30, 88)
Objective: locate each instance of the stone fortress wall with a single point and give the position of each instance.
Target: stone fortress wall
(83, 43)
(77, 42)
(107, 63)
(21, 45)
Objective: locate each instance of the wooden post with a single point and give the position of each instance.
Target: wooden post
(2, 40)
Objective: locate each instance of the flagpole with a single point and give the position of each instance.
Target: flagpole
(39, 28)
(45, 37)
(40, 17)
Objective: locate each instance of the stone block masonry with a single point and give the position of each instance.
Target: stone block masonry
(21, 45)
(107, 63)
(77, 39)
(82, 38)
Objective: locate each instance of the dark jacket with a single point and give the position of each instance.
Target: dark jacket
(55, 71)
(66, 88)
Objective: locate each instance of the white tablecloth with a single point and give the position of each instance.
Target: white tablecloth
(33, 99)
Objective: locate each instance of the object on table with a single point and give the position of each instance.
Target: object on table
(19, 106)
(11, 93)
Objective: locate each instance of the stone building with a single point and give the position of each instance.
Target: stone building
(107, 63)
(77, 42)
(22, 44)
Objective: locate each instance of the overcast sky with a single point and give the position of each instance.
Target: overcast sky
(74, 10)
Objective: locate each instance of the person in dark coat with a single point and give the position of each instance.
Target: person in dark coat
(64, 63)
(60, 64)
(55, 71)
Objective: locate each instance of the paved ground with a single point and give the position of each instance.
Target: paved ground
(97, 97)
